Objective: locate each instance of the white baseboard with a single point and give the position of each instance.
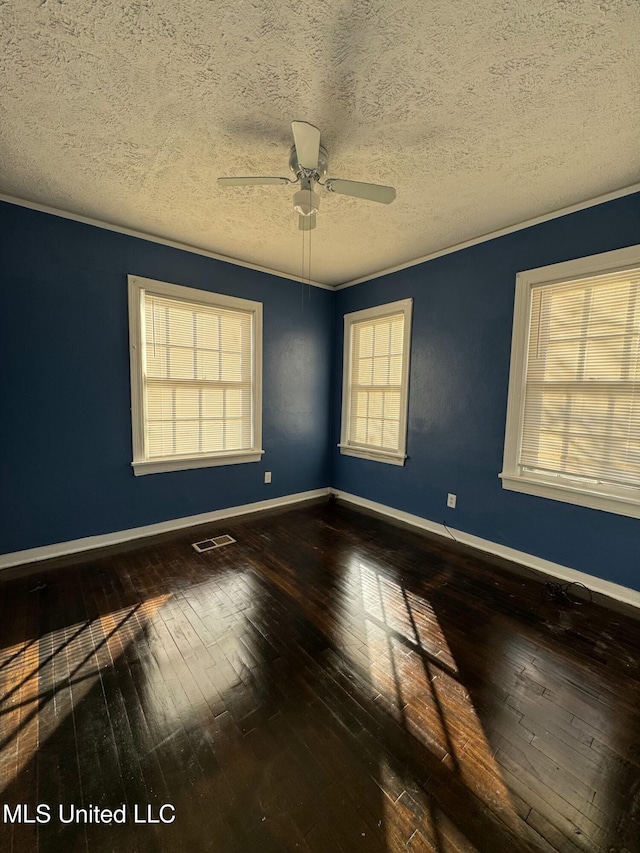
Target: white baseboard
(555, 570)
(74, 546)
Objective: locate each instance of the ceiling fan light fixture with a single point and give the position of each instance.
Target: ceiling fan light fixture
(306, 202)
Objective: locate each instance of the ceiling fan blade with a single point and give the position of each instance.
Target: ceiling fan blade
(372, 192)
(307, 141)
(247, 182)
(307, 223)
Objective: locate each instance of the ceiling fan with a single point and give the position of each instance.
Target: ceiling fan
(308, 161)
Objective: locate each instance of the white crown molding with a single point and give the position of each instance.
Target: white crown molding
(163, 241)
(510, 229)
(555, 570)
(88, 543)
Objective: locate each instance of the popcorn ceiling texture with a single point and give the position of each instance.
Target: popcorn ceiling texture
(482, 113)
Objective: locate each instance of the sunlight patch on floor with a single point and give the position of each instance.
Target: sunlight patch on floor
(414, 678)
(58, 671)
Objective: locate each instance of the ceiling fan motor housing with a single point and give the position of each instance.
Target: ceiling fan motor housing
(319, 172)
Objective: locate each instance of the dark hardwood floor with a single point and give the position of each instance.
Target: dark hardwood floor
(331, 682)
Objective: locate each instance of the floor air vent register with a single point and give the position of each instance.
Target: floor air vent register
(211, 544)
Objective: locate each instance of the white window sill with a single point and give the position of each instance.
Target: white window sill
(184, 463)
(373, 455)
(619, 504)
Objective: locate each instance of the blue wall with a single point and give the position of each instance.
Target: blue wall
(462, 321)
(65, 426)
(65, 430)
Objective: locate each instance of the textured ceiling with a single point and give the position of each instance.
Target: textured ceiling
(482, 113)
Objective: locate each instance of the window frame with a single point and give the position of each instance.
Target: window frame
(620, 500)
(347, 447)
(141, 463)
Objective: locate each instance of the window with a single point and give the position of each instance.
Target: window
(376, 382)
(196, 396)
(573, 419)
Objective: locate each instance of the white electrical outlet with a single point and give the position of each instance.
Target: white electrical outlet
(267, 476)
(451, 501)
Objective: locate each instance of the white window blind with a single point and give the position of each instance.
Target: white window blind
(195, 377)
(376, 380)
(573, 412)
(581, 418)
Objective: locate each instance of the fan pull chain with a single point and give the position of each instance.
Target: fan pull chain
(302, 273)
(309, 275)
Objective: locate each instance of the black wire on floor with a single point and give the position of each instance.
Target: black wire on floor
(563, 593)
